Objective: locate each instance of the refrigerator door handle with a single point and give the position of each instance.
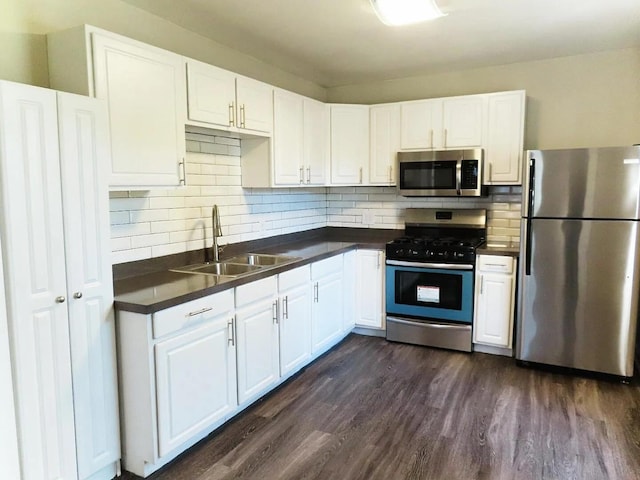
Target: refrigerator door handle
(530, 199)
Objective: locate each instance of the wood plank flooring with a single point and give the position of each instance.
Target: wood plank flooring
(376, 410)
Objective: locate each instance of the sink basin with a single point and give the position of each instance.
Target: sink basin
(261, 259)
(226, 269)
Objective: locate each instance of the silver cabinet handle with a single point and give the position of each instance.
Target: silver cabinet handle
(316, 293)
(308, 175)
(445, 138)
(360, 174)
(232, 339)
(490, 172)
(378, 265)
(431, 135)
(60, 299)
(77, 295)
(285, 307)
(481, 284)
(232, 114)
(182, 165)
(301, 175)
(198, 312)
(390, 174)
(242, 116)
(275, 311)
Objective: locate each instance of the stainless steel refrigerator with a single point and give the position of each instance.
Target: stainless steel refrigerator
(580, 259)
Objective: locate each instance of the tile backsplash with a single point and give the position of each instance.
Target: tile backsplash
(158, 222)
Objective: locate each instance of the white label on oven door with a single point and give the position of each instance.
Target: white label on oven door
(428, 294)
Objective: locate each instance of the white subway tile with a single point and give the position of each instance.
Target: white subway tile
(130, 230)
(124, 256)
(149, 240)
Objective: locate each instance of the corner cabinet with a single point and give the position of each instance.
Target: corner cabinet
(57, 270)
(146, 122)
(349, 144)
(495, 287)
(505, 134)
(384, 123)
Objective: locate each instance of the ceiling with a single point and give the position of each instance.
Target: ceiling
(340, 42)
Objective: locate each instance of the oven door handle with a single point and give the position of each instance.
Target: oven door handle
(443, 266)
(441, 326)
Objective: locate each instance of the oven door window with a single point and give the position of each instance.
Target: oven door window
(428, 289)
(428, 175)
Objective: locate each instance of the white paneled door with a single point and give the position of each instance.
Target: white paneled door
(35, 278)
(84, 160)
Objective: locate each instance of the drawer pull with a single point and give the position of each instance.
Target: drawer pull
(198, 312)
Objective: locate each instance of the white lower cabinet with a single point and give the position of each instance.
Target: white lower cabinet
(196, 380)
(494, 301)
(187, 369)
(327, 307)
(257, 337)
(295, 319)
(349, 278)
(370, 289)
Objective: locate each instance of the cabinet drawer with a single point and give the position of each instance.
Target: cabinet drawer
(495, 263)
(191, 313)
(294, 278)
(326, 267)
(256, 291)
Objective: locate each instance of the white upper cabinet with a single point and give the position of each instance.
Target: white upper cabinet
(462, 121)
(145, 89)
(421, 124)
(316, 142)
(288, 138)
(227, 100)
(385, 143)
(505, 133)
(455, 122)
(349, 144)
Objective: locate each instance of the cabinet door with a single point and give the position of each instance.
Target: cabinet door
(287, 138)
(258, 349)
(494, 309)
(35, 282)
(211, 94)
(145, 89)
(327, 311)
(385, 143)
(295, 328)
(463, 121)
(196, 382)
(505, 133)
(255, 105)
(370, 289)
(350, 289)
(421, 124)
(349, 144)
(84, 161)
(316, 142)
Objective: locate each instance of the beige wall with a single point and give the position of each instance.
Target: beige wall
(23, 56)
(584, 100)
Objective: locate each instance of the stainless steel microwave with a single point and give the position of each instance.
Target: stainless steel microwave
(441, 173)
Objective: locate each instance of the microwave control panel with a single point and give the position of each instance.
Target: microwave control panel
(469, 174)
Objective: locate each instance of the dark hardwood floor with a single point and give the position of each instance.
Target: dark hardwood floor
(376, 410)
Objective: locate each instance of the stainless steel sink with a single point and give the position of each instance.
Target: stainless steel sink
(262, 259)
(226, 269)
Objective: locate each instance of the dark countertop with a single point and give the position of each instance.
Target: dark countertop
(508, 249)
(154, 291)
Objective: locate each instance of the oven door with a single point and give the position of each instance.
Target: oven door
(441, 293)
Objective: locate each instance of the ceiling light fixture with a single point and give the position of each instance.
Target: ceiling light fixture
(404, 12)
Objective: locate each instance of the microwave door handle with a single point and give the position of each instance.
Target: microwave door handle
(458, 177)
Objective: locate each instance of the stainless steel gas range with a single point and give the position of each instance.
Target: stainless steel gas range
(429, 277)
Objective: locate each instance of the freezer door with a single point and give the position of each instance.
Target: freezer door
(579, 303)
(583, 183)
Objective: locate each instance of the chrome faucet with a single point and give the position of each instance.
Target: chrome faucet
(217, 232)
